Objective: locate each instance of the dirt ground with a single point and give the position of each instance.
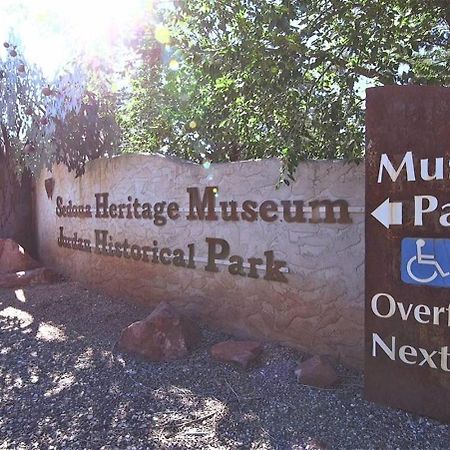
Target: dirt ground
(62, 387)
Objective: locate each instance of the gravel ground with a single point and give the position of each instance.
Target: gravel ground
(61, 387)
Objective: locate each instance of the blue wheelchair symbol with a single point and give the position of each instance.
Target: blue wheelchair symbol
(426, 262)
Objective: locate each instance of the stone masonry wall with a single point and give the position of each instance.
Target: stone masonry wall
(16, 213)
(320, 307)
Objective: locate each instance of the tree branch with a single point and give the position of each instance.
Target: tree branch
(6, 146)
(343, 64)
(363, 71)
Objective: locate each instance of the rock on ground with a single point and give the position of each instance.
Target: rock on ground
(316, 371)
(26, 278)
(241, 352)
(163, 336)
(13, 258)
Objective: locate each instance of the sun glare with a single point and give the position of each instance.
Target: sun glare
(53, 32)
(98, 23)
(20, 295)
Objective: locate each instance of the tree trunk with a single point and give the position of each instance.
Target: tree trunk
(16, 212)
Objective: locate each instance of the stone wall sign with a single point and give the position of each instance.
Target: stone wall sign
(220, 241)
(407, 363)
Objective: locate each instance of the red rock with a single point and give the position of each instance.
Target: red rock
(13, 258)
(26, 278)
(316, 371)
(240, 352)
(164, 335)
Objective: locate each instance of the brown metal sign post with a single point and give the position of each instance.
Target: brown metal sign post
(407, 360)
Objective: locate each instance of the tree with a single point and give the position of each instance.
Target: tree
(260, 78)
(70, 120)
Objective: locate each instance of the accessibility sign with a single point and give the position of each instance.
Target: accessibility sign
(426, 262)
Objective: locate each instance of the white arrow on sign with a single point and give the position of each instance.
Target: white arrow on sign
(389, 213)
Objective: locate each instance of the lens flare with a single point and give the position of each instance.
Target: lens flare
(162, 34)
(174, 64)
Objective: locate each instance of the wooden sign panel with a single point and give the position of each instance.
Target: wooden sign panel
(407, 360)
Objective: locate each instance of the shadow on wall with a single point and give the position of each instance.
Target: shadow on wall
(16, 212)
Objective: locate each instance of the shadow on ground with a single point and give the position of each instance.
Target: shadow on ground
(61, 385)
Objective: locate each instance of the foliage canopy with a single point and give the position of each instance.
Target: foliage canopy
(260, 78)
(69, 120)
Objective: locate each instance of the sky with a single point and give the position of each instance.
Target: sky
(53, 32)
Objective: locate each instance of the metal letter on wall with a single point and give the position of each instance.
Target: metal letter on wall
(49, 187)
(407, 360)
